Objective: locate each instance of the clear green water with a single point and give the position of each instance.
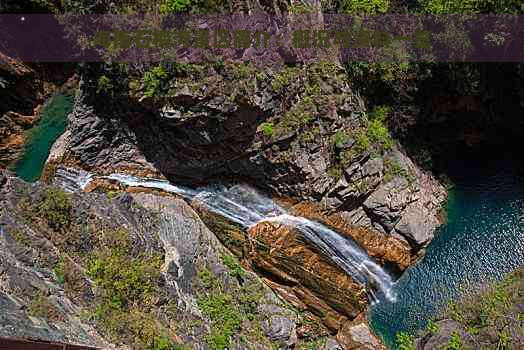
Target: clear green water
(482, 240)
(41, 137)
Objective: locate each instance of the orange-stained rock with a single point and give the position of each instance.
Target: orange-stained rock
(278, 252)
(386, 249)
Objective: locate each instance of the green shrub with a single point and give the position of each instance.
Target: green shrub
(163, 343)
(226, 320)
(432, 327)
(154, 81)
(379, 113)
(235, 269)
(365, 6)
(206, 278)
(124, 280)
(267, 128)
(455, 342)
(40, 306)
(55, 206)
(340, 138)
(362, 143)
(404, 341)
(174, 6)
(126, 289)
(299, 8)
(112, 194)
(300, 114)
(472, 6)
(392, 169)
(335, 172)
(377, 132)
(284, 78)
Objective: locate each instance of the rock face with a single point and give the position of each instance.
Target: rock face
(294, 133)
(302, 275)
(309, 149)
(303, 272)
(50, 287)
(20, 95)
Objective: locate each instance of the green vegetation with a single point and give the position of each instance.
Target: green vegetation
(364, 6)
(340, 138)
(491, 317)
(207, 278)
(377, 131)
(454, 342)
(126, 288)
(267, 128)
(373, 137)
(235, 269)
(392, 169)
(432, 327)
(239, 70)
(112, 194)
(174, 6)
(154, 81)
(228, 309)
(472, 6)
(362, 143)
(298, 115)
(105, 86)
(284, 78)
(54, 206)
(226, 319)
(405, 341)
(59, 271)
(299, 8)
(335, 172)
(125, 280)
(220, 308)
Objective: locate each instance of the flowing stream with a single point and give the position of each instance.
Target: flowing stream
(482, 240)
(246, 207)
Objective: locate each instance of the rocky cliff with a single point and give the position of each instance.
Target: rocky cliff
(299, 133)
(138, 270)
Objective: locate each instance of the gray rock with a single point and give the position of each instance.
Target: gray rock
(386, 203)
(417, 224)
(441, 339)
(160, 224)
(356, 217)
(281, 329)
(362, 336)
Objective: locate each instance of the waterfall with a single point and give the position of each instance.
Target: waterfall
(247, 207)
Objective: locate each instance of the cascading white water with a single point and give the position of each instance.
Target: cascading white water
(246, 207)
